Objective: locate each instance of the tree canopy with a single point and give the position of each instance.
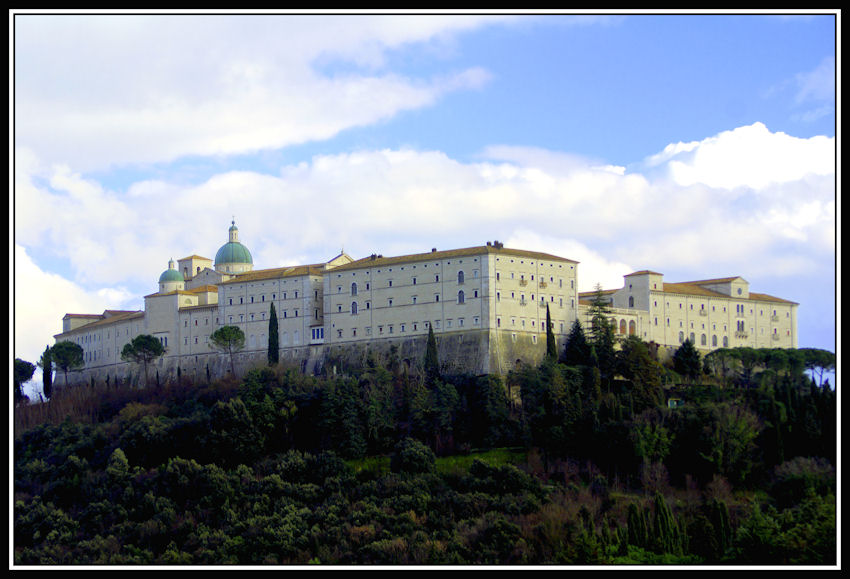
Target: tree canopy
(67, 356)
(23, 372)
(229, 340)
(143, 349)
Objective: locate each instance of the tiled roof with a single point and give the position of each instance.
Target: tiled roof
(278, 272)
(713, 281)
(769, 298)
(123, 317)
(691, 289)
(643, 272)
(380, 260)
(194, 257)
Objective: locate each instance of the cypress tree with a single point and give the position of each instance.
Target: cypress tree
(274, 346)
(432, 362)
(637, 529)
(551, 346)
(666, 534)
(46, 364)
(719, 517)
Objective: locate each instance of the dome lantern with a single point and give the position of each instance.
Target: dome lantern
(233, 256)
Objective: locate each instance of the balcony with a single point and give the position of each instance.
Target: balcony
(523, 282)
(742, 335)
(543, 285)
(703, 312)
(775, 337)
(774, 318)
(523, 303)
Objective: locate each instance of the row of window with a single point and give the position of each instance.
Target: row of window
(523, 302)
(461, 299)
(411, 327)
(542, 282)
(284, 295)
(533, 324)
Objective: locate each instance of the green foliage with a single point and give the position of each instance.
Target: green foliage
(143, 349)
(254, 474)
(46, 365)
(228, 340)
(411, 456)
(431, 362)
(551, 345)
(274, 345)
(577, 349)
(602, 337)
(67, 356)
(667, 537)
(23, 372)
(636, 365)
(687, 361)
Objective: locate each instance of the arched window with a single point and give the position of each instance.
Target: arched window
(460, 277)
(354, 289)
(632, 328)
(692, 338)
(725, 342)
(714, 341)
(622, 326)
(460, 297)
(702, 340)
(681, 337)
(631, 301)
(353, 308)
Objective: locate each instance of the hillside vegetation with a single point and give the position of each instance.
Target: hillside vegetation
(616, 460)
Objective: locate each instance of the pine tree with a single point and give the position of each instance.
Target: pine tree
(602, 336)
(577, 350)
(67, 356)
(23, 372)
(228, 340)
(274, 345)
(143, 349)
(686, 360)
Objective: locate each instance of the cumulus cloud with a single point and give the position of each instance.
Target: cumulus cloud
(748, 156)
(42, 298)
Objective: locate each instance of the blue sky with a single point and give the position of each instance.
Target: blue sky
(696, 145)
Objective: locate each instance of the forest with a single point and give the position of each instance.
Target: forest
(600, 455)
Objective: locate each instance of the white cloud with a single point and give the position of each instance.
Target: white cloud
(818, 84)
(748, 156)
(593, 268)
(42, 298)
(99, 91)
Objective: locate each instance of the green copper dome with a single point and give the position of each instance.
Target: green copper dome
(233, 252)
(170, 275)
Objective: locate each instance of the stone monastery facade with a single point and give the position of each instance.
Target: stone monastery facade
(487, 306)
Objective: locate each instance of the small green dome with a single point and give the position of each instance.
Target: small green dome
(170, 275)
(233, 252)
